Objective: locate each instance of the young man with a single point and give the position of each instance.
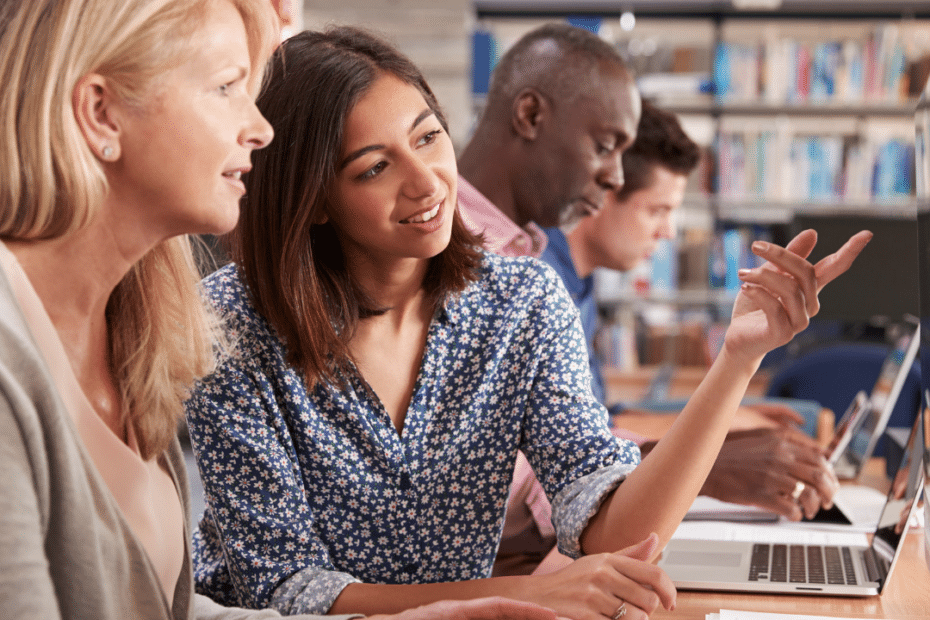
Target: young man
(633, 221)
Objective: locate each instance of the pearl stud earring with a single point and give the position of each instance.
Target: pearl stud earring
(107, 152)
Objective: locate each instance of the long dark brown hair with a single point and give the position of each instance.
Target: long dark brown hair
(294, 266)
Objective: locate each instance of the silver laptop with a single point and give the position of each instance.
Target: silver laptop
(838, 569)
(862, 435)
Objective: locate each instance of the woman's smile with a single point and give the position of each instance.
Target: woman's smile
(429, 220)
(394, 195)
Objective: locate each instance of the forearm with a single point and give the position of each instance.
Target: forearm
(368, 599)
(709, 486)
(656, 496)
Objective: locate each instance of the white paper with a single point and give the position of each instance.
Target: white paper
(862, 504)
(729, 614)
(707, 508)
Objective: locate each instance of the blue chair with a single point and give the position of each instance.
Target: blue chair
(832, 374)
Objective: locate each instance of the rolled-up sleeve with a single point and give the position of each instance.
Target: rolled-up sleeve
(309, 589)
(578, 502)
(206, 608)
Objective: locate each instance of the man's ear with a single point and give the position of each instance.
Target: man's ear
(95, 112)
(530, 108)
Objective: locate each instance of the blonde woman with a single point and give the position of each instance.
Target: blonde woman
(125, 125)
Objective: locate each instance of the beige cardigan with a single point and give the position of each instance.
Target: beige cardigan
(65, 549)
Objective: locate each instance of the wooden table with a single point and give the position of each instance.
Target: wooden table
(906, 597)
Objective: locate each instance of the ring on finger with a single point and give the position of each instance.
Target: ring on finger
(798, 489)
(621, 611)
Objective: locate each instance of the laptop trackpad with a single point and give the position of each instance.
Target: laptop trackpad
(703, 558)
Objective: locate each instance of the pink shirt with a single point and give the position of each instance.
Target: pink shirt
(143, 490)
(502, 236)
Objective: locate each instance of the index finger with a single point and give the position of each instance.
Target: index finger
(646, 574)
(830, 267)
(803, 243)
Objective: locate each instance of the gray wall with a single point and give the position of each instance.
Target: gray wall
(435, 34)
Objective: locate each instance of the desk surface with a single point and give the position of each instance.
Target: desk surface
(906, 597)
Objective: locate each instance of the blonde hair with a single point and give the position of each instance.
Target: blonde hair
(51, 184)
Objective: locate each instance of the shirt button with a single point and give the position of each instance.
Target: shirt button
(404, 482)
(411, 568)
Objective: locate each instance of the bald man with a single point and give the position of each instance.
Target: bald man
(560, 110)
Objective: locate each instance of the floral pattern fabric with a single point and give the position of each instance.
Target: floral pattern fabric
(308, 491)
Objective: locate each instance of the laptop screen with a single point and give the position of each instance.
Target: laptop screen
(905, 488)
(857, 408)
(925, 417)
(891, 378)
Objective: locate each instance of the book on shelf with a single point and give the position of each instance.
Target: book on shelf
(782, 69)
(664, 266)
(814, 160)
(730, 251)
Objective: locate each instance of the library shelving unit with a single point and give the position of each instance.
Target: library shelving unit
(806, 112)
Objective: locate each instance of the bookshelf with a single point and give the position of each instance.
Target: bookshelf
(805, 111)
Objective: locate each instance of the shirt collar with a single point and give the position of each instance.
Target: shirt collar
(501, 234)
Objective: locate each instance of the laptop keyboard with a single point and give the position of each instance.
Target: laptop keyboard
(802, 564)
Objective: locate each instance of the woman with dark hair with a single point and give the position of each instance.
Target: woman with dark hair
(357, 446)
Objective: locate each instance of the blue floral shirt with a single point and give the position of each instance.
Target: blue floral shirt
(308, 491)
